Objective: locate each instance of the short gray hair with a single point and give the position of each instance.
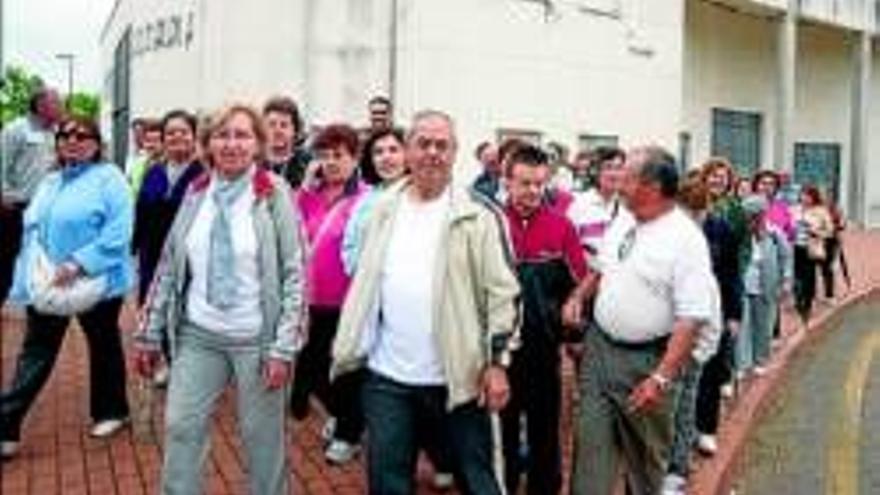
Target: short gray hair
(430, 114)
(657, 166)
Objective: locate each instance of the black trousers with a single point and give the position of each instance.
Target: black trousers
(832, 248)
(45, 334)
(805, 282)
(536, 388)
(716, 372)
(11, 229)
(398, 415)
(342, 397)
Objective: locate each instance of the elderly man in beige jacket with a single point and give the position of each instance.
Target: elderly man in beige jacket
(431, 315)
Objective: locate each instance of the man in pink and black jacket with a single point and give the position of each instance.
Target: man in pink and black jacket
(549, 262)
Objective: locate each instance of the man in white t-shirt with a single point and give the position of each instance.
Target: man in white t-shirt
(431, 314)
(652, 294)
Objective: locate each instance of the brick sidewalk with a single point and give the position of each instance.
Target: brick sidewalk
(58, 456)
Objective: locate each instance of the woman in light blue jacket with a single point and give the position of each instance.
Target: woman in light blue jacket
(382, 164)
(81, 217)
(766, 279)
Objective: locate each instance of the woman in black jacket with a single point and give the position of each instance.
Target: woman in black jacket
(159, 198)
(164, 186)
(717, 371)
(696, 416)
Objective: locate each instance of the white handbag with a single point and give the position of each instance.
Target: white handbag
(80, 295)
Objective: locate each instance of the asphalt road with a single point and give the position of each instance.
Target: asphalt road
(821, 433)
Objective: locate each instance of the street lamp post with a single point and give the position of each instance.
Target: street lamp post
(69, 58)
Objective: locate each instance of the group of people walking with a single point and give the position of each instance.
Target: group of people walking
(350, 266)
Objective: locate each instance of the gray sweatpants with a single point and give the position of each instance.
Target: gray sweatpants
(611, 438)
(203, 365)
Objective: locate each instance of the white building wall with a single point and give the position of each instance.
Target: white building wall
(249, 53)
(232, 55)
(730, 62)
(347, 57)
(566, 72)
(852, 14)
(823, 101)
(643, 71)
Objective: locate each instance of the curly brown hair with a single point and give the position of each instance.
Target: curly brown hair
(719, 163)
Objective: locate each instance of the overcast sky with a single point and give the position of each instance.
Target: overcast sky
(35, 30)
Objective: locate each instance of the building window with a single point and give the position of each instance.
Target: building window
(877, 15)
(529, 136)
(736, 135)
(121, 88)
(589, 142)
(684, 151)
(818, 164)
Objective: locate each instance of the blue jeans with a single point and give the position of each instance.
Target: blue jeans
(753, 342)
(396, 414)
(685, 420)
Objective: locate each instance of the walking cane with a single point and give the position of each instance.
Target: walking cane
(844, 267)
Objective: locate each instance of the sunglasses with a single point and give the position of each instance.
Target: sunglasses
(77, 134)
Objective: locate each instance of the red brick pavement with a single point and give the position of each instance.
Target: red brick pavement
(58, 456)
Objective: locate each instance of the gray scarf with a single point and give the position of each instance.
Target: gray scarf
(223, 281)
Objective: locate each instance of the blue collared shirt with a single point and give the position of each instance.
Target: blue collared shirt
(81, 213)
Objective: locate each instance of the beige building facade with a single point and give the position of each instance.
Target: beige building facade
(786, 84)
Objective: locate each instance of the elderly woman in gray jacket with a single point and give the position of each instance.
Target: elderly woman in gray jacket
(228, 294)
(766, 280)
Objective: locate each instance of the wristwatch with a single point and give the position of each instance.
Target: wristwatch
(661, 380)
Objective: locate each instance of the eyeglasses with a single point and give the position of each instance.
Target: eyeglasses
(76, 134)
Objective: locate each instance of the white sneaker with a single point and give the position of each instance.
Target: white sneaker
(340, 452)
(107, 427)
(329, 429)
(707, 445)
(443, 481)
(673, 484)
(160, 378)
(759, 370)
(727, 391)
(9, 449)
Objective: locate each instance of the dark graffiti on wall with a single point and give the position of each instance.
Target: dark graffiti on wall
(169, 32)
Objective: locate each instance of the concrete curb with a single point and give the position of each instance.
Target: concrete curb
(716, 475)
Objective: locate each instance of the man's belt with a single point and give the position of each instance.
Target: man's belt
(652, 344)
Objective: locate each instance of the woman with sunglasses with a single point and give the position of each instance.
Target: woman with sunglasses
(81, 217)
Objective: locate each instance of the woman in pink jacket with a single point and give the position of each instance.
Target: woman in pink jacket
(767, 183)
(325, 206)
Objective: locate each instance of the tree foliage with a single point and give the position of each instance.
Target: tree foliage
(16, 88)
(84, 105)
